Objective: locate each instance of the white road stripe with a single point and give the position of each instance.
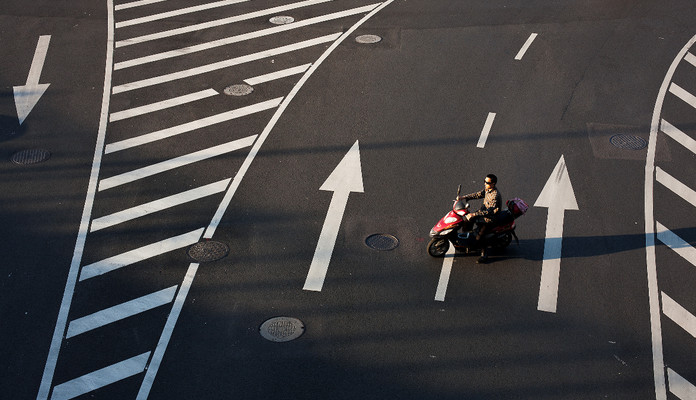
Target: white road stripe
(140, 254)
(100, 378)
(277, 75)
(679, 136)
(159, 205)
(526, 45)
(152, 369)
(224, 64)
(121, 311)
(674, 242)
(191, 126)
(680, 315)
(175, 13)
(680, 387)
(162, 105)
(240, 38)
(210, 231)
(675, 186)
(219, 22)
(177, 162)
(486, 130)
(62, 319)
(135, 4)
(445, 274)
(691, 59)
(683, 94)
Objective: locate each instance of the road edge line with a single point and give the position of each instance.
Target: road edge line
(653, 291)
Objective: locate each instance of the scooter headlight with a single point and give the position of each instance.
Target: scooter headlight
(447, 231)
(451, 220)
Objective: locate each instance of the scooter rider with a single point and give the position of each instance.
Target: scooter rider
(488, 212)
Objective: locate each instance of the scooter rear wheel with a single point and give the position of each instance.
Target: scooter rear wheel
(437, 247)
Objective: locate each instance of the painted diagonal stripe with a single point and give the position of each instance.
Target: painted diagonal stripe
(100, 378)
(224, 64)
(680, 315)
(675, 186)
(277, 75)
(159, 205)
(683, 94)
(163, 342)
(680, 387)
(240, 38)
(162, 105)
(674, 242)
(191, 126)
(168, 165)
(133, 4)
(140, 254)
(691, 59)
(174, 13)
(445, 274)
(486, 130)
(219, 22)
(679, 136)
(121, 311)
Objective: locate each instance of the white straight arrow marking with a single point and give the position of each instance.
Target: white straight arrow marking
(28, 95)
(557, 196)
(346, 178)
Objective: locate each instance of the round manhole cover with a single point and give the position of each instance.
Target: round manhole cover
(31, 156)
(630, 142)
(282, 20)
(238, 90)
(368, 39)
(208, 250)
(282, 329)
(381, 241)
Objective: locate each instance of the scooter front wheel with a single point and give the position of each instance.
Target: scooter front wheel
(438, 246)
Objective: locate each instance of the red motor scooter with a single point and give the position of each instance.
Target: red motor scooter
(454, 228)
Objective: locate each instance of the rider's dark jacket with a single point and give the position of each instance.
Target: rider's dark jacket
(491, 206)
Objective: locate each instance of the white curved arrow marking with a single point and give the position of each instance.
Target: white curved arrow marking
(346, 178)
(28, 95)
(557, 196)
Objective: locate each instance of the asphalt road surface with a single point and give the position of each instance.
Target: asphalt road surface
(208, 166)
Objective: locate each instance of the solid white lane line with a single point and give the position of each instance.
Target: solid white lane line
(191, 126)
(62, 320)
(674, 242)
(680, 387)
(219, 22)
(159, 205)
(100, 378)
(224, 64)
(526, 45)
(210, 231)
(277, 75)
(240, 38)
(650, 255)
(140, 254)
(676, 186)
(445, 274)
(153, 367)
(679, 136)
(680, 315)
(683, 94)
(138, 3)
(177, 162)
(486, 130)
(162, 105)
(691, 59)
(175, 13)
(120, 311)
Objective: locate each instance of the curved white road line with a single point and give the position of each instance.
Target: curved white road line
(264, 135)
(653, 291)
(62, 321)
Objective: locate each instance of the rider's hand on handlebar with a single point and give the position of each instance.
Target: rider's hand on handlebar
(469, 217)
